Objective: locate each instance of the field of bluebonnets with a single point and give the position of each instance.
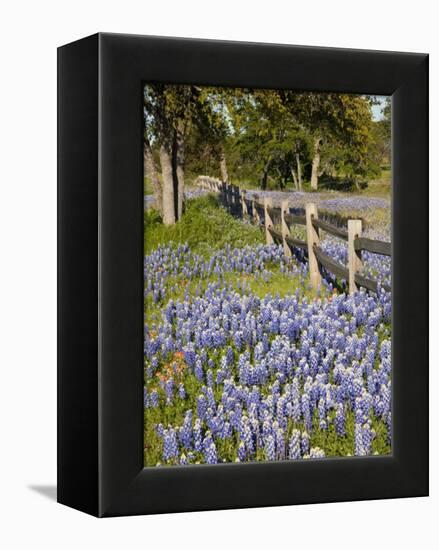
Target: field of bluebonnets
(243, 361)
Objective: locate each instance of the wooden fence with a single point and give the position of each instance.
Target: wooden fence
(277, 223)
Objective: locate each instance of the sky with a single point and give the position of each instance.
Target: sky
(376, 109)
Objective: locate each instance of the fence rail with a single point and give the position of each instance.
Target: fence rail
(266, 216)
(330, 264)
(294, 219)
(329, 228)
(371, 245)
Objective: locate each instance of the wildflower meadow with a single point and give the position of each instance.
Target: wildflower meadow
(244, 360)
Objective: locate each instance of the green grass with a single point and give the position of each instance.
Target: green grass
(379, 187)
(205, 226)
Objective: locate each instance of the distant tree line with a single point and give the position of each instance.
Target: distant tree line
(269, 136)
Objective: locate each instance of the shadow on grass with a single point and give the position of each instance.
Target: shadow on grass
(341, 184)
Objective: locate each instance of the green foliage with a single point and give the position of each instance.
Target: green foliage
(269, 137)
(205, 226)
(343, 123)
(265, 138)
(171, 108)
(382, 133)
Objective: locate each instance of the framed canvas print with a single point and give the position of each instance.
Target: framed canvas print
(242, 293)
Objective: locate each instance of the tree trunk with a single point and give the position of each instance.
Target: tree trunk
(280, 175)
(296, 183)
(179, 171)
(265, 175)
(150, 170)
(299, 171)
(223, 167)
(315, 164)
(168, 185)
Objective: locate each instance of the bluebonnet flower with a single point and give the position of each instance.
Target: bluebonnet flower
(322, 414)
(386, 398)
(154, 399)
(280, 444)
(170, 445)
(209, 378)
(270, 448)
(210, 397)
(340, 420)
(306, 411)
(201, 406)
(229, 356)
(160, 429)
(181, 391)
(198, 436)
(209, 450)
(359, 444)
(189, 355)
(389, 426)
(368, 435)
(168, 345)
(294, 452)
(186, 430)
(305, 443)
(199, 369)
(242, 455)
(169, 387)
(238, 340)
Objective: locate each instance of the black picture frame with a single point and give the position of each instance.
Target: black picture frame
(100, 274)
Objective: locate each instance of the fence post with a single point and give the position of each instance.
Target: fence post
(244, 204)
(229, 196)
(354, 256)
(237, 201)
(312, 238)
(256, 219)
(285, 229)
(268, 202)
